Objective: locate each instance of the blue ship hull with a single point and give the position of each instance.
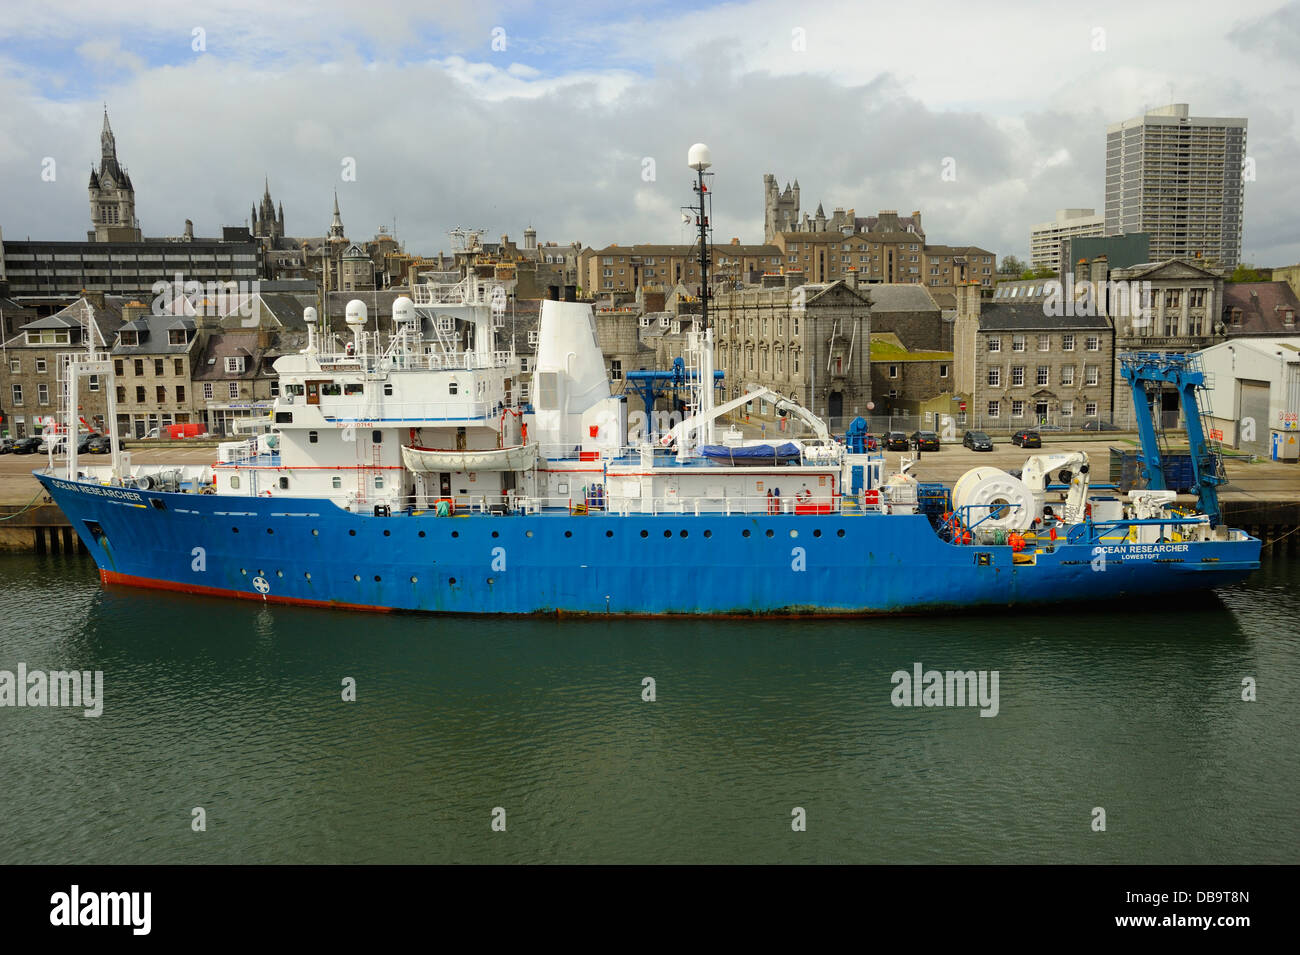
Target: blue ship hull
(309, 551)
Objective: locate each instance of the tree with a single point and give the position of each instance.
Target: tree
(1246, 272)
(1012, 265)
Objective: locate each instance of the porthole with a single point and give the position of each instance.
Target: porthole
(307, 575)
(352, 533)
(528, 533)
(377, 578)
(269, 531)
(415, 580)
(455, 533)
(243, 571)
(279, 573)
(496, 533)
(609, 533)
(645, 533)
(840, 532)
(357, 578)
(683, 533)
(315, 532)
(817, 532)
(793, 532)
(745, 532)
(568, 533)
(668, 533)
(491, 581)
(234, 530)
(388, 533)
(708, 533)
(451, 580)
(769, 532)
(421, 533)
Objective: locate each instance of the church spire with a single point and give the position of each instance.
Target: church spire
(336, 227)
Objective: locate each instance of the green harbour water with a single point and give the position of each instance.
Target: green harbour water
(237, 707)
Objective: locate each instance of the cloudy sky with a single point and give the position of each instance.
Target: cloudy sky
(497, 114)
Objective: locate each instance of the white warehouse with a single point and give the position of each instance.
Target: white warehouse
(1254, 395)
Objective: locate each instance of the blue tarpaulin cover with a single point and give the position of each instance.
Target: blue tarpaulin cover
(753, 454)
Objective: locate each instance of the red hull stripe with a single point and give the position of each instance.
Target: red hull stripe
(128, 580)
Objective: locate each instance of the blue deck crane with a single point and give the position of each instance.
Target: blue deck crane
(652, 385)
(1184, 373)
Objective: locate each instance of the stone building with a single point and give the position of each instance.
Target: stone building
(626, 268)
(1020, 365)
(810, 342)
(29, 374)
(112, 196)
(1178, 308)
(153, 363)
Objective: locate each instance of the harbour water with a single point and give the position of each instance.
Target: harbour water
(236, 707)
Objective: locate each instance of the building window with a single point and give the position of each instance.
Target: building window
(1067, 409)
(16, 366)
(40, 366)
(42, 394)
(943, 371)
(178, 367)
(117, 368)
(275, 387)
(94, 382)
(1093, 343)
(234, 389)
(235, 366)
(1044, 375)
(995, 344)
(139, 394)
(995, 377)
(1172, 297)
(160, 394)
(1091, 375)
(893, 371)
(180, 394)
(1017, 342)
(1067, 343)
(1017, 409)
(158, 367)
(121, 395)
(995, 409)
(1090, 409)
(1171, 325)
(1196, 298)
(1044, 342)
(207, 389)
(616, 369)
(1067, 374)
(1017, 375)
(139, 367)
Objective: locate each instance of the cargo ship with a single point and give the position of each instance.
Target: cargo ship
(404, 471)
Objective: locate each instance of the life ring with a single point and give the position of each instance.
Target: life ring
(804, 496)
(267, 493)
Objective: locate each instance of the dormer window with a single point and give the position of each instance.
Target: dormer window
(235, 366)
(130, 337)
(177, 336)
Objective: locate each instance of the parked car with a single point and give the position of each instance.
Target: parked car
(6, 445)
(896, 441)
(83, 442)
(925, 441)
(99, 444)
(1027, 439)
(1100, 426)
(977, 441)
(27, 445)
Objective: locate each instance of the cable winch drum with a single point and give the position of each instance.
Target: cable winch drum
(980, 488)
